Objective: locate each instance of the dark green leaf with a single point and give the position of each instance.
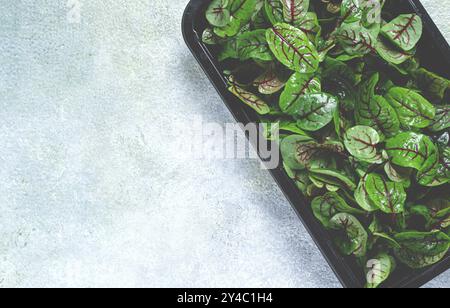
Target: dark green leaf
(253, 45)
(433, 84)
(357, 40)
(389, 197)
(327, 206)
(417, 260)
(425, 243)
(354, 238)
(297, 86)
(313, 111)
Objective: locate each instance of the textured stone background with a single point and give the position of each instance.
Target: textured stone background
(93, 190)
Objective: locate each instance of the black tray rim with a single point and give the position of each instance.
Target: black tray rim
(335, 260)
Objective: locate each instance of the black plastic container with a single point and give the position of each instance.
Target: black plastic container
(434, 52)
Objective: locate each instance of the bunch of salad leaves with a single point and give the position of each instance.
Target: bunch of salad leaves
(364, 128)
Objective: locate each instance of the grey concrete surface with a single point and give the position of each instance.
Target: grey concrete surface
(94, 191)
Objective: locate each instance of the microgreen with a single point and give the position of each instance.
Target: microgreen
(365, 129)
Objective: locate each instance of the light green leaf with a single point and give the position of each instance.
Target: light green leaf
(396, 174)
(217, 13)
(297, 151)
(436, 169)
(362, 197)
(378, 114)
(357, 40)
(292, 48)
(391, 53)
(209, 38)
(268, 83)
(351, 10)
(361, 142)
(310, 25)
(334, 177)
(379, 269)
(410, 150)
(442, 119)
(412, 108)
(404, 31)
(294, 10)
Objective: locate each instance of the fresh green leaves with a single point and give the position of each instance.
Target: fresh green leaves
(327, 206)
(292, 48)
(241, 11)
(274, 11)
(357, 40)
(389, 197)
(363, 129)
(391, 54)
(422, 249)
(253, 45)
(379, 269)
(300, 152)
(313, 111)
(353, 237)
(412, 109)
(361, 142)
(218, 14)
(377, 113)
(297, 86)
(429, 243)
(294, 11)
(410, 150)
(442, 119)
(268, 83)
(404, 31)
